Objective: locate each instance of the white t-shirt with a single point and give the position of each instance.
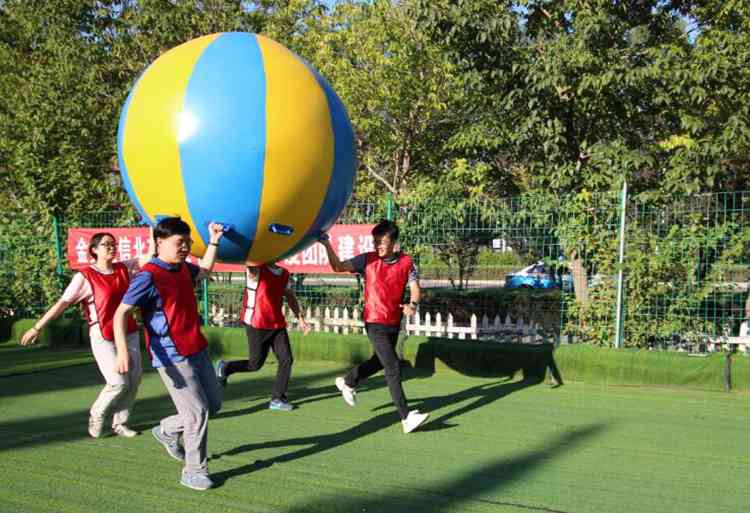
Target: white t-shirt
(79, 289)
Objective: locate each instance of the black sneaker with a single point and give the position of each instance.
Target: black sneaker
(221, 372)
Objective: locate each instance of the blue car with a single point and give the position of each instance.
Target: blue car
(535, 276)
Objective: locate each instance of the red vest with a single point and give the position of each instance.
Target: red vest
(108, 291)
(384, 288)
(262, 305)
(180, 308)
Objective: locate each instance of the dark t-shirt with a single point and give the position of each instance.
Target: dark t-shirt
(359, 262)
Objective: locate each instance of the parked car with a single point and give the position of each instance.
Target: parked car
(535, 276)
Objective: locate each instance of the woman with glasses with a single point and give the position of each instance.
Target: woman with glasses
(99, 288)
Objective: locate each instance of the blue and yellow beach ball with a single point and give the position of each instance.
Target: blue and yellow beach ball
(236, 128)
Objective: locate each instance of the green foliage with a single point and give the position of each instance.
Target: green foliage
(487, 258)
(446, 226)
(679, 278)
(399, 89)
(67, 67)
(28, 274)
(578, 94)
(516, 120)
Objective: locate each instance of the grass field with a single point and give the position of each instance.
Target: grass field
(490, 446)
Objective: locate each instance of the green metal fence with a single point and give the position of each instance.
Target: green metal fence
(683, 280)
(686, 269)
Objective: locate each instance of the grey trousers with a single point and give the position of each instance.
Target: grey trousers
(118, 394)
(196, 394)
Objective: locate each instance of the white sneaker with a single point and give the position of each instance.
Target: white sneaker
(123, 430)
(349, 394)
(96, 427)
(413, 420)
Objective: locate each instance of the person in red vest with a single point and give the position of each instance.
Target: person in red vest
(99, 288)
(266, 286)
(386, 274)
(164, 290)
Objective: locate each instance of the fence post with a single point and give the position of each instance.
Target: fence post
(58, 251)
(619, 321)
(389, 206)
(205, 301)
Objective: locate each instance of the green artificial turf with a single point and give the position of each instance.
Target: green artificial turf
(16, 359)
(491, 445)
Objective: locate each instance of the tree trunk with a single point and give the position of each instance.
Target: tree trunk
(580, 280)
(402, 170)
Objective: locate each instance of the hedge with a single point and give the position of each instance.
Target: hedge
(426, 355)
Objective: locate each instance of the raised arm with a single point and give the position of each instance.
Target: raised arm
(337, 265)
(215, 231)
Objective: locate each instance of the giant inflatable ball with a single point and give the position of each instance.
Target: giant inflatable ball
(237, 129)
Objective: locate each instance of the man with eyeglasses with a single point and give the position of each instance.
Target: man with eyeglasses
(165, 292)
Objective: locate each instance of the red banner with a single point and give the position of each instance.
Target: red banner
(349, 240)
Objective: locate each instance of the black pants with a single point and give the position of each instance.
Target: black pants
(383, 339)
(258, 344)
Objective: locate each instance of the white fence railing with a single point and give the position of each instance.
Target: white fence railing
(345, 321)
(742, 342)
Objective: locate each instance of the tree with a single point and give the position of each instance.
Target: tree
(706, 85)
(397, 86)
(444, 217)
(578, 95)
(67, 67)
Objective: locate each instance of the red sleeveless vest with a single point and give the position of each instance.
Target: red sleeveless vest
(384, 288)
(263, 305)
(108, 291)
(180, 308)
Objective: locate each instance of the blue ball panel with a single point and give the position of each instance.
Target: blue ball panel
(222, 163)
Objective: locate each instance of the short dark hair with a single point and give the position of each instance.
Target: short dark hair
(96, 239)
(386, 227)
(170, 226)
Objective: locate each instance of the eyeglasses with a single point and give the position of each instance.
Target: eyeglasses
(107, 245)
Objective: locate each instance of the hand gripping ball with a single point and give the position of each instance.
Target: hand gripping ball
(237, 129)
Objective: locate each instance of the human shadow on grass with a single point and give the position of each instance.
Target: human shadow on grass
(479, 395)
(50, 380)
(481, 486)
(298, 396)
(72, 425)
(318, 443)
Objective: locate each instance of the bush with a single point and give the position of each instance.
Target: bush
(60, 332)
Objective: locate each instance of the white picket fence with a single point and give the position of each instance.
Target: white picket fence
(717, 343)
(344, 321)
